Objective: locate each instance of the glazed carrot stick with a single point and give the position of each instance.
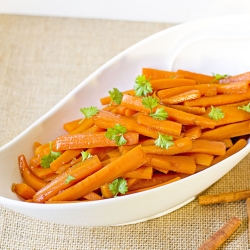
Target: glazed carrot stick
(163, 126)
(192, 110)
(106, 193)
(162, 170)
(201, 158)
(240, 144)
(200, 78)
(29, 178)
(64, 158)
(68, 165)
(223, 197)
(232, 88)
(78, 172)
(176, 99)
(84, 125)
(143, 172)
(130, 112)
(180, 146)
(107, 100)
(228, 142)
(41, 172)
(184, 118)
(179, 164)
(92, 196)
(91, 140)
(154, 74)
(227, 131)
(193, 133)
(171, 83)
(155, 186)
(218, 238)
(72, 125)
(107, 120)
(237, 104)
(205, 89)
(127, 162)
(236, 78)
(217, 100)
(208, 147)
(23, 190)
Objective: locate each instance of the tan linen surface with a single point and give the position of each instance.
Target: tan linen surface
(41, 60)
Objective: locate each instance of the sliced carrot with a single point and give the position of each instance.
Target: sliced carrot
(91, 140)
(228, 142)
(232, 88)
(41, 172)
(165, 171)
(193, 133)
(164, 126)
(127, 162)
(240, 144)
(84, 125)
(23, 190)
(92, 196)
(200, 78)
(78, 172)
(171, 83)
(143, 172)
(154, 74)
(106, 193)
(208, 147)
(236, 78)
(72, 125)
(192, 110)
(189, 95)
(201, 158)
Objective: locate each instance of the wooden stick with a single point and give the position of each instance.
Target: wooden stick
(224, 197)
(218, 238)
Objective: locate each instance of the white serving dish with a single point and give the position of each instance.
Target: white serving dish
(218, 45)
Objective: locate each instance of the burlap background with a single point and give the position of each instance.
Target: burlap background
(41, 60)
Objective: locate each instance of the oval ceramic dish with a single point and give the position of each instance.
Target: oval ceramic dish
(217, 45)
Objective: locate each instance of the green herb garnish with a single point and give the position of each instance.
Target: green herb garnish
(89, 112)
(116, 96)
(116, 134)
(69, 179)
(117, 186)
(245, 107)
(47, 159)
(142, 86)
(219, 77)
(216, 113)
(85, 155)
(160, 114)
(164, 141)
(150, 103)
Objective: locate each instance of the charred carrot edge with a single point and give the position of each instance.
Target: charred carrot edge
(127, 162)
(218, 238)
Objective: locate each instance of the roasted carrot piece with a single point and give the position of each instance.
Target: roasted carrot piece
(193, 133)
(72, 125)
(154, 74)
(180, 146)
(189, 95)
(192, 110)
(208, 147)
(41, 172)
(201, 158)
(68, 165)
(236, 78)
(159, 125)
(240, 144)
(92, 196)
(84, 125)
(29, 178)
(64, 158)
(232, 88)
(107, 100)
(184, 118)
(217, 100)
(200, 78)
(227, 131)
(23, 190)
(78, 172)
(114, 153)
(143, 172)
(91, 140)
(171, 83)
(179, 164)
(127, 162)
(218, 238)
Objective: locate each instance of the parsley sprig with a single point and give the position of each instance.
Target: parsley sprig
(142, 86)
(89, 112)
(115, 95)
(117, 186)
(85, 155)
(116, 134)
(160, 114)
(245, 107)
(47, 159)
(218, 77)
(216, 114)
(164, 141)
(69, 179)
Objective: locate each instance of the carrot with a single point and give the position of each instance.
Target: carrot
(78, 172)
(184, 118)
(192, 110)
(223, 197)
(180, 146)
(201, 158)
(91, 140)
(32, 180)
(236, 78)
(64, 158)
(189, 95)
(222, 99)
(179, 164)
(171, 83)
(193, 133)
(106, 193)
(232, 88)
(84, 125)
(41, 172)
(204, 89)
(208, 147)
(228, 142)
(154, 74)
(107, 100)
(127, 162)
(240, 144)
(227, 131)
(159, 125)
(200, 78)
(72, 125)
(92, 196)
(218, 238)
(143, 172)
(68, 165)
(162, 170)
(23, 190)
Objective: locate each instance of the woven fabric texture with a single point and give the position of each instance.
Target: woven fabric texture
(41, 60)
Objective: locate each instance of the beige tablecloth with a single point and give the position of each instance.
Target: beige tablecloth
(41, 60)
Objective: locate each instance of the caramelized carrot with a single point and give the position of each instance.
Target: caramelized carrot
(192, 110)
(236, 78)
(201, 158)
(193, 133)
(84, 125)
(72, 125)
(171, 83)
(232, 88)
(92, 196)
(143, 172)
(200, 78)
(23, 190)
(154, 74)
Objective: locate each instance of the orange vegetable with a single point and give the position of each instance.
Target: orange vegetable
(232, 88)
(171, 83)
(200, 78)
(193, 133)
(143, 172)
(107, 100)
(236, 78)
(72, 125)
(23, 190)
(154, 74)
